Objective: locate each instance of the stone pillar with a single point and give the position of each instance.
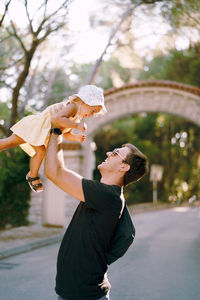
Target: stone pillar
(58, 207)
(88, 163)
(73, 160)
(53, 205)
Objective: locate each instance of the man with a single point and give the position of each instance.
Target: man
(81, 263)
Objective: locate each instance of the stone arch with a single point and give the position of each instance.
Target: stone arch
(144, 96)
(150, 96)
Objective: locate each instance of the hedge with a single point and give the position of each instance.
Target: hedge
(14, 190)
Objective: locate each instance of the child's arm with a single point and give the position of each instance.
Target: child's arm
(60, 117)
(74, 137)
(64, 122)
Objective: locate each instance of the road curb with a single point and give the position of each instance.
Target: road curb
(30, 246)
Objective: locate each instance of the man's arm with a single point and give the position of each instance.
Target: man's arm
(69, 181)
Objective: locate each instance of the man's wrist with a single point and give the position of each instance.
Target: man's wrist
(56, 131)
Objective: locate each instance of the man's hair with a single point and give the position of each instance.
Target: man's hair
(138, 165)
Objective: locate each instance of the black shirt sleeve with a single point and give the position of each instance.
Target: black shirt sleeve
(102, 197)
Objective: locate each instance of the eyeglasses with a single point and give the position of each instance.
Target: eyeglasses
(116, 152)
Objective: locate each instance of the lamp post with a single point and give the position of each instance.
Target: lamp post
(156, 173)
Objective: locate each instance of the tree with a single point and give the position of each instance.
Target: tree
(110, 71)
(2, 17)
(182, 13)
(41, 24)
(166, 140)
(128, 8)
(181, 66)
(113, 33)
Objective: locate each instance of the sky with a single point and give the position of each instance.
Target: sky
(90, 42)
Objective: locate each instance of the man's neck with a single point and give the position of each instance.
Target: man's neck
(111, 181)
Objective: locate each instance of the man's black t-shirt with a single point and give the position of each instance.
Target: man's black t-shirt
(81, 264)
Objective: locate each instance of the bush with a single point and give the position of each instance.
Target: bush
(14, 190)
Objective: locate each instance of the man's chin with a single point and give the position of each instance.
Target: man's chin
(99, 167)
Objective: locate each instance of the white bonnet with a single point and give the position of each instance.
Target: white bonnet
(91, 95)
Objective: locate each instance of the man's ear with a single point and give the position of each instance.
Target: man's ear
(124, 167)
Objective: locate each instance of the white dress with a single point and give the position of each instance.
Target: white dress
(35, 129)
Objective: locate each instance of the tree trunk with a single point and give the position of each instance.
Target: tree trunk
(20, 82)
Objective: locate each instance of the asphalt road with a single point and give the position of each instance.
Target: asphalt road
(163, 264)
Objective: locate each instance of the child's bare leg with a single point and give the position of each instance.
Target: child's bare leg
(10, 142)
(35, 163)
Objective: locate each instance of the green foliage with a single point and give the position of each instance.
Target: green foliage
(4, 113)
(60, 87)
(182, 13)
(104, 79)
(14, 191)
(8, 51)
(82, 72)
(180, 66)
(166, 140)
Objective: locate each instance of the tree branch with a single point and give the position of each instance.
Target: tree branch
(49, 31)
(196, 20)
(45, 7)
(4, 13)
(20, 82)
(29, 89)
(44, 3)
(64, 5)
(28, 16)
(95, 69)
(11, 65)
(150, 1)
(16, 36)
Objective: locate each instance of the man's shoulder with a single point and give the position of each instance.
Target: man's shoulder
(97, 185)
(102, 197)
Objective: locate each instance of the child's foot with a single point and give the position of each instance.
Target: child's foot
(34, 183)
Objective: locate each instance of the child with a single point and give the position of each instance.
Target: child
(32, 132)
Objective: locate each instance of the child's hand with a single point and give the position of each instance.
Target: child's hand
(79, 138)
(81, 126)
(74, 137)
